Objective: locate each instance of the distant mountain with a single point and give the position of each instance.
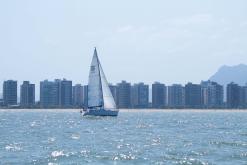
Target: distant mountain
(227, 74)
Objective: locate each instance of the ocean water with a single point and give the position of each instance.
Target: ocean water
(140, 137)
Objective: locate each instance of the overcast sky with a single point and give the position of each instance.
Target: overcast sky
(138, 40)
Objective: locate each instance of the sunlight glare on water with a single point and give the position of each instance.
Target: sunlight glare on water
(140, 137)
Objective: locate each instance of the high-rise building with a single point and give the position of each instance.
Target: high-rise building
(233, 95)
(193, 95)
(27, 94)
(123, 95)
(212, 94)
(159, 95)
(176, 96)
(216, 95)
(65, 93)
(140, 95)
(49, 94)
(1, 102)
(244, 96)
(78, 95)
(56, 93)
(113, 89)
(85, 95)
(10, 92)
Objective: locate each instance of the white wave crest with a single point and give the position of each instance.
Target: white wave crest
(55, 154)
(13, 147)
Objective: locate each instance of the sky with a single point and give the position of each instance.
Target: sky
(173, 41)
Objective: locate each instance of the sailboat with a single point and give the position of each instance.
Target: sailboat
(100, 100)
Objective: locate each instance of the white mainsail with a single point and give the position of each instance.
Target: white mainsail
(95, 94)
(99, 94)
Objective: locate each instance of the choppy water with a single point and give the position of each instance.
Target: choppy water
(132, 138)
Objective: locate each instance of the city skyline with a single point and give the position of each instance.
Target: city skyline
(191, 39)
(38, 85)
(62, 94)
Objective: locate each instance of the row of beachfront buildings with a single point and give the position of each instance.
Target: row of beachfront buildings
(62, 94)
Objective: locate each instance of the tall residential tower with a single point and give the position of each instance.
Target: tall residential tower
(159, 95)
(10, 92)
(27, 94)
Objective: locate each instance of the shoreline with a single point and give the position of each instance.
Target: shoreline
(127, 110)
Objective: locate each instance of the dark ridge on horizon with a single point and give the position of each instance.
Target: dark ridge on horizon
(227, 74)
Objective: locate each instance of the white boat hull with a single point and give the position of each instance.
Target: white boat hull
(101, 112)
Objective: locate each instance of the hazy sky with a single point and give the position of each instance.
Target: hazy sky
(138, 40)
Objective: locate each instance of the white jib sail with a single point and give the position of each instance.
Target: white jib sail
(108, 99)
